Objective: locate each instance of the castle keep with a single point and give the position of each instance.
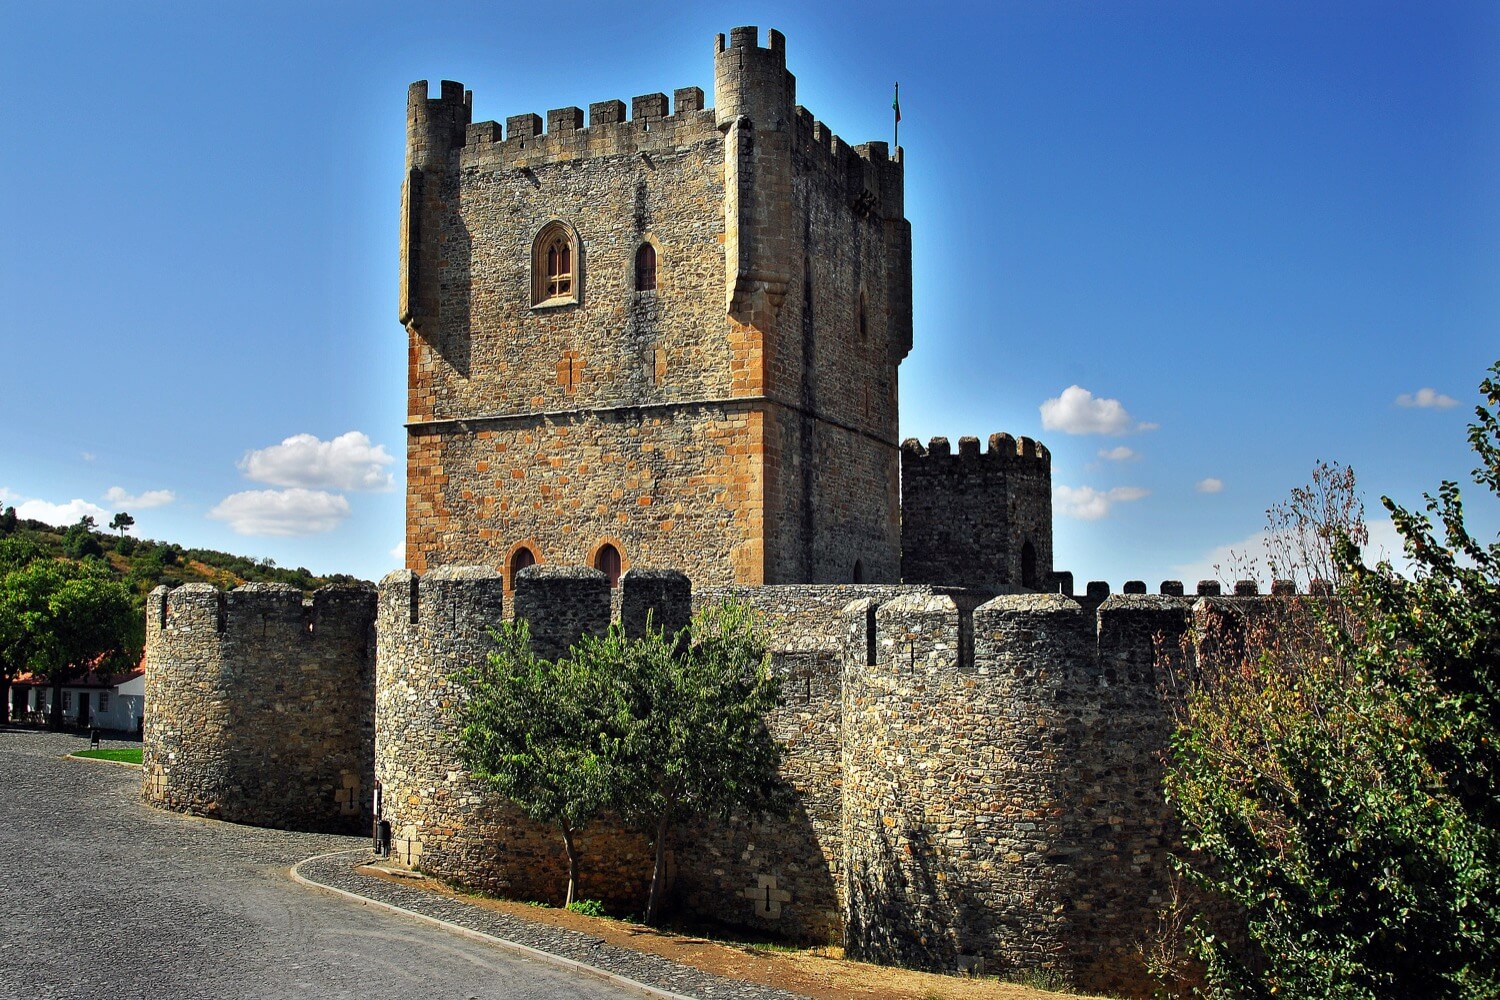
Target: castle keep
(653, 363)
(675, 334)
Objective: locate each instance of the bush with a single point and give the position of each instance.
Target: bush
(587, 907)
(1337, 769)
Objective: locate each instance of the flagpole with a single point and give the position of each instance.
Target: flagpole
(896, 138)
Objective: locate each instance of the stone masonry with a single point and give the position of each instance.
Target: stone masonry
(660, 351)
(260, 706)
(737, 420)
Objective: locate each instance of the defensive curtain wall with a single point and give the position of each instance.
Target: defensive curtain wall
(976, 778)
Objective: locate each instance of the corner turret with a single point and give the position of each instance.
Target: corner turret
(753, 100)
(434, 128)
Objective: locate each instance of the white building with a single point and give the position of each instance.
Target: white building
(115, 705)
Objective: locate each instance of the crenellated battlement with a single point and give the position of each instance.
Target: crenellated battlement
(977, 518)
(264, 611)
(530, 139)
(1100, 589)
(1001, 448)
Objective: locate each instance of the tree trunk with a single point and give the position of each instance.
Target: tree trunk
(56, 714)
(567, 832)
(659, 869)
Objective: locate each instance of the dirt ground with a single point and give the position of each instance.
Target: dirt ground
(822, 973)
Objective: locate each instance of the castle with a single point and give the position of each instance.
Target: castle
(653, 362)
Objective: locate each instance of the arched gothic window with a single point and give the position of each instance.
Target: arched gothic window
(607, 561)
(554, 266)
(645, 268)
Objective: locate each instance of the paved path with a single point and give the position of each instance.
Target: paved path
(103, 897)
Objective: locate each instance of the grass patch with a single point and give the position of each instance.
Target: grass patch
(125, 755)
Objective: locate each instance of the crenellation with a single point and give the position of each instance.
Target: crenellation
(528, 126)
(606, 113)
(564, 120)
(648, 106)
(686, 100)
(482, 134)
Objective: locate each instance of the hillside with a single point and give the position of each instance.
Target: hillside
(143, 563)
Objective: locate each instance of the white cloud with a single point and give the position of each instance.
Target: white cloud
(87, 456)
(59, 514)
(1077, 411)
(119, 499)
(348, 462)
(1425, 398)
(1088, 504)
(1118, 454)
(399, 553)
(7, 495)
(1210, 485)
(282, 512)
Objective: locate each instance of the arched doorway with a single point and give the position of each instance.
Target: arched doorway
(607, 561)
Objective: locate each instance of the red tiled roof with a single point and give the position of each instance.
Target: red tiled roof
(88, 680)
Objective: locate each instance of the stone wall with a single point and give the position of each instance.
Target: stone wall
(260, 706)
(976, 780)
(443, 821)
(738, 421)
(977, 519)
(785, 875)
(1002, 786)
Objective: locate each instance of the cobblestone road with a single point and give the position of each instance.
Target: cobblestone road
(103, 897)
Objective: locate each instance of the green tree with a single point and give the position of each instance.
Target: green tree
(58, 619)
(8, 521)
(121, 522)
(690, 714)
(528, 731)
(1337, 771)
(79, 541)
(657, 729)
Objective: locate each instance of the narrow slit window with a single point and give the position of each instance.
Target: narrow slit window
(645, 268)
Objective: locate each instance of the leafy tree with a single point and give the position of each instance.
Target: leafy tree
(657, 729)
(122, 522)
(59, 619)
(8, 521)
(79, 541)
(527, 731)
(690, 715)
(1339, 777)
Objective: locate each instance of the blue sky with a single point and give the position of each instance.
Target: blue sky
(1247, 233)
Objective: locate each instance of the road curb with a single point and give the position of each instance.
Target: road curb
(573, 965)
(100, 760)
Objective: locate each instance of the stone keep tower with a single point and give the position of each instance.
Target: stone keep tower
(667, 340)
